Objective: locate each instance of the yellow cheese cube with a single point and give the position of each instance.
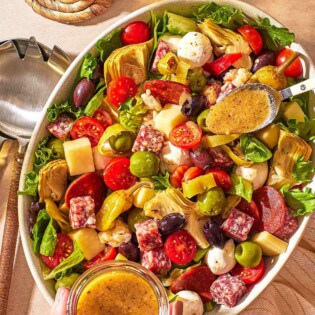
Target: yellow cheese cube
(78, 154)
(293, 110)
(270, 244)
(168, 118)
(87, 241)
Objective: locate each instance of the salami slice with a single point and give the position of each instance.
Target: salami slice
(197, 279)
(90, 184)
(82, 213)
(220, 159)
(161, 51)
(289, 226)
(156, 261)
(167, 92)
(271, 207)
(228, 290)
(61, 127)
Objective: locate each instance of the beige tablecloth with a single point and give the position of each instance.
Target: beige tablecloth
(293, 290)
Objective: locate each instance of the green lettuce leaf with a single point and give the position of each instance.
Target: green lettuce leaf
(95, 102)
(158, 27)
(131, 114)
(88, 66)
(62, 108)
(301, 99)
(274, 37)
(49, 241)
(109, 43)
(303, 171)
(302, 202)
(75, 258)
(161, 182)
(225, 16)
(31, 184)
(43, 155)
(254, 150)
(241, 187)
(303, 129)
(39, 229)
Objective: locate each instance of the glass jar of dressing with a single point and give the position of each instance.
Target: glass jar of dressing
(118, 287)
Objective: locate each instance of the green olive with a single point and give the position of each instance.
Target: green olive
(144, 164)
(212, 202)
(136, 215)
(123, 142)
(248, 254)
(197, 80)
(57, 146)
(201, 120)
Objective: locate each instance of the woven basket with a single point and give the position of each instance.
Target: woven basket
(69, 11)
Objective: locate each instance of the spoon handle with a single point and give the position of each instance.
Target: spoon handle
(10, 234)
(299, 88)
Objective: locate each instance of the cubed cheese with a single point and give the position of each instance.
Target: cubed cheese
(168, 118)
(78, 154)
(88, 242)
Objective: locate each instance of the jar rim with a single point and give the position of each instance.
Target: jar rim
(114, 265)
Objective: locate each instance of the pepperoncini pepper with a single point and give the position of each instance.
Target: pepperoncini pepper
(274, 76)
(115, 204)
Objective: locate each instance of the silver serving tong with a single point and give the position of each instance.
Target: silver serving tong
(28, 73)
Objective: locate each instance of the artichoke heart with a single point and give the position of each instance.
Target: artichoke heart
(172, 200)
(128, 61)
(226, 41)
(290, 149)
(53, 180)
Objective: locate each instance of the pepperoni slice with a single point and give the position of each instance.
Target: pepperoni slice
(271, 207)
(197, 279)
(167, 91)
(90, 184)
(251, 209)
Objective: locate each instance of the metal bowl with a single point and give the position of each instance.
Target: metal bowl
(61, 92)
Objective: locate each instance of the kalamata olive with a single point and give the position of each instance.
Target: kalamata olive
(32, 214)
(171, 223)
(98, 72)
(194, 108)
(213, 234)
(83, 92)
(200, 157)
(265, 58)
(130, 251)
(134, 239)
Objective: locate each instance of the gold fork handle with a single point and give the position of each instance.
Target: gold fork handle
(10, 235)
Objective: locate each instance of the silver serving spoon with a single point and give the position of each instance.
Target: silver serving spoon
(28, 73)
(276, 97)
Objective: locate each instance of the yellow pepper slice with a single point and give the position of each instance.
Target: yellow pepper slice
(217, 140)
(57, 215)
(198, 185)
(231, 201)
(237, 160)
(168, 64)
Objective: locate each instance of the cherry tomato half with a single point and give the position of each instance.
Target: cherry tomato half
(103, 117)
(252, 36)
(180, 247)
(108, 254)
(295, 70)
(192, 173)
(186, 136)
(177, 176)
(63, 249)
(249, 275)
(87, 127)
(135, 33)
(222, 178)
(120, 89)
(117, 174)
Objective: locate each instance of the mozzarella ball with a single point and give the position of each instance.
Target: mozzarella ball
(221, 260)
(171, 157)
(195, 49)
(256, 174)
(192, 303)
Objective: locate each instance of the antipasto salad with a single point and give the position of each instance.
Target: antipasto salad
(131, 171)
